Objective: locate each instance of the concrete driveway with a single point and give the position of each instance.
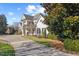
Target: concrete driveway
(12, 38)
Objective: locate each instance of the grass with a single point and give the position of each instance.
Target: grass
(6, 49)
(44, 41)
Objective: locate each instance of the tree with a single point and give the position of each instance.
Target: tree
(55, 18)
(16, 25)
(72, 9)
(71, 25)
(3, 24)
(60, 18)
(10, 30)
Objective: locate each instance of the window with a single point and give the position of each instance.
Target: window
(38, 31)
(44, 31)
(41, 20)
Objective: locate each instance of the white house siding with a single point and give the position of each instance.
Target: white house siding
(22, 28)
(41, 25)
(38, 21)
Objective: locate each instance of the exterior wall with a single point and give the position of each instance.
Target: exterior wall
(39, 24)
(23, 27)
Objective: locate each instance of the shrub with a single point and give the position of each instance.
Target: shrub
(52, 36)
(71, 27)
(71, 45)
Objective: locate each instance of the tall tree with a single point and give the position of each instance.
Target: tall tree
(55, 18)
(57, 15)
(3, 24)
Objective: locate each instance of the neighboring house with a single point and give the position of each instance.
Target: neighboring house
(10, 30)
(33, 25)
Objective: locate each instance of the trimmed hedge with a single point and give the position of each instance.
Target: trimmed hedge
(71, 45)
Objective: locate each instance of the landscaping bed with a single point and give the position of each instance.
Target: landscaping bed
(6, 49)
(68, 45)
(48, 42)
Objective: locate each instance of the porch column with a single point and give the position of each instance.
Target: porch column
(41, 31)
(22, 32)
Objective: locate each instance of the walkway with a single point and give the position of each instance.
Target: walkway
(30, 48)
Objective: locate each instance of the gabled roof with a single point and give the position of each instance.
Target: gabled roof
(37, 16)
(28, 17)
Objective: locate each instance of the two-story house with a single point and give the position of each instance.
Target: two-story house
(33, 25)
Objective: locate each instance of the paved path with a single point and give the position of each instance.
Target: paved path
(30, 48)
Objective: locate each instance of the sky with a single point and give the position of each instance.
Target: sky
(14, 11)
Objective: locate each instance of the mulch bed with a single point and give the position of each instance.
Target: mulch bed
(60, 46)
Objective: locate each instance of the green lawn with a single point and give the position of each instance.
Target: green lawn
(44, 41)
(6, 50)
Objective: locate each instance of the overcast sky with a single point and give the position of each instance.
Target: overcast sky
(14, 11)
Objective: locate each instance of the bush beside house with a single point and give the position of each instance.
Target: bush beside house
(52, 36)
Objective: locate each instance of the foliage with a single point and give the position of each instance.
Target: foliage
(6, 50)
(63, 19)
(72, 9)
(3, 24)
(52, 36)
(72, 45)
(71, 27)
(55, 18)
(15, 28)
